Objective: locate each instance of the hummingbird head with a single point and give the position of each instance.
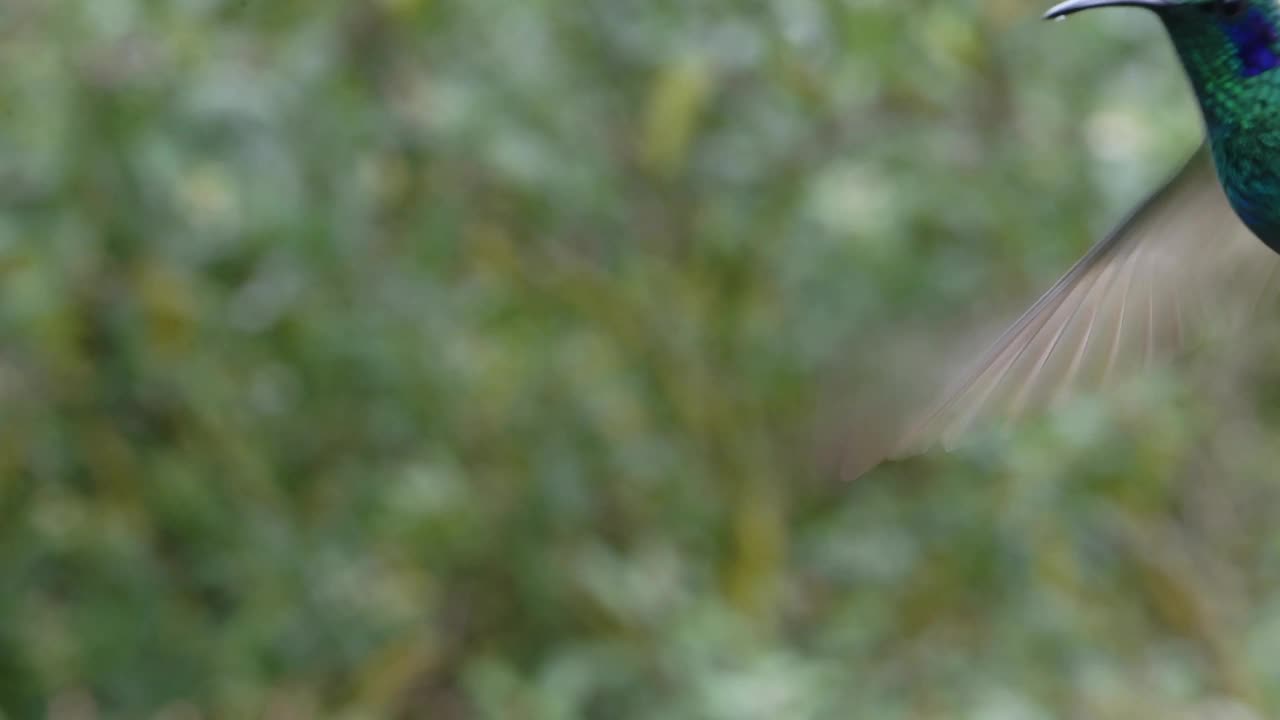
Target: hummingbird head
(1230, 50)
(1217, 39)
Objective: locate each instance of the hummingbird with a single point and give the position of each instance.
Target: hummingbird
(1200, 248)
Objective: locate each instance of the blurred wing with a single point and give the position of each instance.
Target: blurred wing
(1182, 266)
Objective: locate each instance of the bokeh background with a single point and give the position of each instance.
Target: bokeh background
(496, 359)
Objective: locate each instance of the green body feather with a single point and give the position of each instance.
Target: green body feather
(1233, 66)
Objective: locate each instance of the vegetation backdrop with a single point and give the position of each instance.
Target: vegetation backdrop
(494, 359)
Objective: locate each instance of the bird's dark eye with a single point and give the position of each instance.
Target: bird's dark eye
(1231, 8)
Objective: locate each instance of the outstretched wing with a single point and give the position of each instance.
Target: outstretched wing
(1180, 267)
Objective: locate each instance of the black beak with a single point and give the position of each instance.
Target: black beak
(1064, 9)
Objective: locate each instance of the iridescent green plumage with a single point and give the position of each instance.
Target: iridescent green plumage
(1182, 267)
(1240, 103)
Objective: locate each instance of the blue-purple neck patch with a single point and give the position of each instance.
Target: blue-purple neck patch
(1254, 37)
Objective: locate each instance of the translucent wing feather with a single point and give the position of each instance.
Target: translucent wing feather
(1181, 267)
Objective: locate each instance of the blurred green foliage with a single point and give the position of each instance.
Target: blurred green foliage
(494, 359)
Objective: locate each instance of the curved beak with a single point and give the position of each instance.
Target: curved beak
(1064, 9)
